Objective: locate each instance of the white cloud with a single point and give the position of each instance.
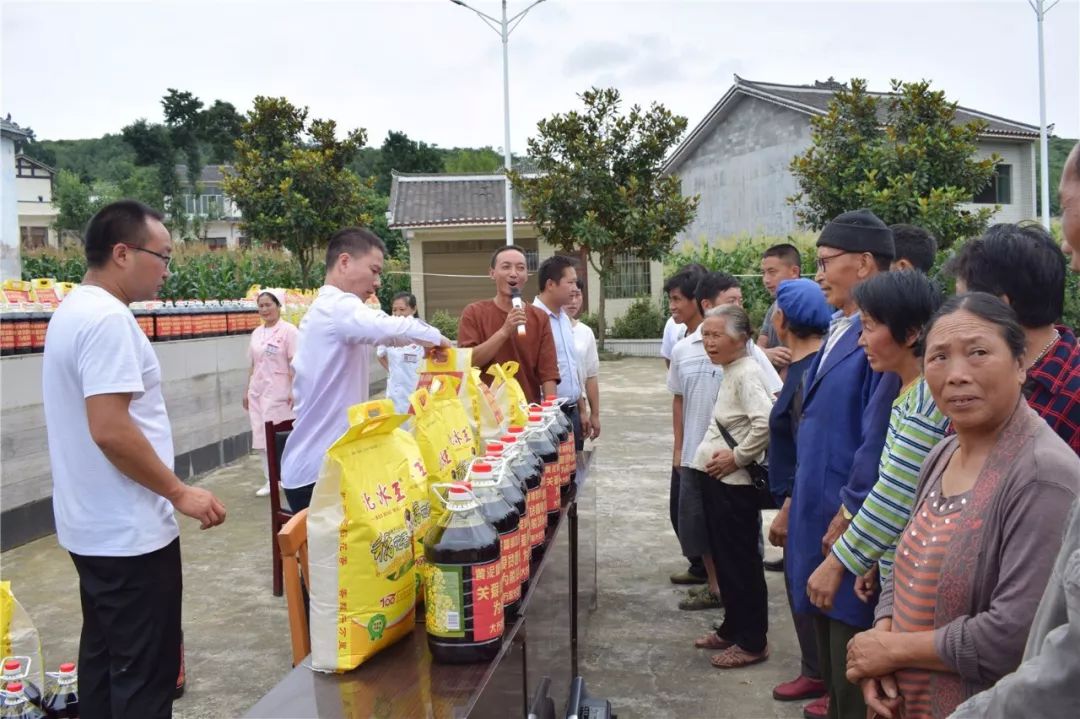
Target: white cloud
(434, 70)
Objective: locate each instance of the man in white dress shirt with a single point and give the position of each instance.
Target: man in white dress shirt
(332, 363)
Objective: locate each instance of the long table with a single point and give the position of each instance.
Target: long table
(403, 681)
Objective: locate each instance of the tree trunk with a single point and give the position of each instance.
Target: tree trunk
(601, 320)
(303, 257)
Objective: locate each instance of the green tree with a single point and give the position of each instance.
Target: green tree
(467, 159)
(366, 162)
(600, 184)
(291, 179)
(1059, 149)
(75, 203)
(220, 128)
(399, 153)
(904, 156)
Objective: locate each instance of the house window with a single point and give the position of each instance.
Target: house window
(999, 191)
(217, 243)
(631, 278)
(33, 238)
(532, 260)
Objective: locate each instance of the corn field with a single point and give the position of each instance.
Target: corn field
(198, 273)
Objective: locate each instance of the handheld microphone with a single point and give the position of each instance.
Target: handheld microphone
(516, 301)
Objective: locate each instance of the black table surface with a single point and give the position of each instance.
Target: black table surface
(403, 681)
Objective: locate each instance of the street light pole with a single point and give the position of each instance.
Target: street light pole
(506, 130)
(504, 26)
(1041, 9)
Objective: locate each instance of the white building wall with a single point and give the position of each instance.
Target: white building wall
(1021, 156)
(10, 264)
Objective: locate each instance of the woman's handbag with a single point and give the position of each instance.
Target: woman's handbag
(759, 475)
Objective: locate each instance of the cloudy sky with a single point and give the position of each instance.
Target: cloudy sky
(433, 69)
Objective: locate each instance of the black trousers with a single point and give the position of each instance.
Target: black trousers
(845, 699)
(805, 631)
(129, 651)
(575, 419)
(300, 497)
(734, 522)
(697, 566)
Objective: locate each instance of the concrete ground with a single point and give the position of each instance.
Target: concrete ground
(637, 652)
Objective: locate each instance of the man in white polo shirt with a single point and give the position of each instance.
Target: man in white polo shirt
(557, 277)
(111, 452)
(333, 358)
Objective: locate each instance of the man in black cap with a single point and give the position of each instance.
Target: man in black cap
(841, 434)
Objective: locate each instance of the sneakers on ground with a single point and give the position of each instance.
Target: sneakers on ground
(700, 598)
(802, 687)
(776, 565)
(263, 491)
(687, 577)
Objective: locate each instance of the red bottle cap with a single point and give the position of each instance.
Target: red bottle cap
(481, 467)
(12, 664)
(547, 403)
(535, 417)
(551, 398)
(15, 687)
(460, 489)
(508, 439)
(495, 447)
(67, 667)
(515, 429)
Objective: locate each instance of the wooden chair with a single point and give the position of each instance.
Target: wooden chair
(276, 435)
(294, 554)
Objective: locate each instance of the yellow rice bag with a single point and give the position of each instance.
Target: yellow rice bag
(363, 516)
(444, 435)
(509, 396)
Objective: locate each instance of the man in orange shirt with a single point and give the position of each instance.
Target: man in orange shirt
(490, 328)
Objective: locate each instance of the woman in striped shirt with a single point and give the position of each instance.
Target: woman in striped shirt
(895, 307)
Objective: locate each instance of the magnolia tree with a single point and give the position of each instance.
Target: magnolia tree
(599, 184)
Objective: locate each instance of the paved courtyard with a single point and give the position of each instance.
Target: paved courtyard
(638, 651)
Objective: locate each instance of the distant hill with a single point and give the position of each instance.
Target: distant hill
(1059, 149)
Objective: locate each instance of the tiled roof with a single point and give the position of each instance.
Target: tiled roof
(433, 200)
(814, 100)
(12, 130)
(817, 97)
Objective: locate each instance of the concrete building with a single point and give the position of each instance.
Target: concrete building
(37, 213)
(454, 222)
(737, 159)
(214, 217)
(10, 263)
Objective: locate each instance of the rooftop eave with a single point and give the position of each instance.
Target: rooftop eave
(475, 222)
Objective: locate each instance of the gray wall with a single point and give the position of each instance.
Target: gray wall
(204, 386)
(741, 172)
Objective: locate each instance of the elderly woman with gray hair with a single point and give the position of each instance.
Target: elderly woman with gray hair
(733, 446)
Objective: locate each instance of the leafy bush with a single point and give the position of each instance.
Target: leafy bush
(643, 320)
(198, 273)
(445, 323)
(592, 321)
(743, 260)
(742, 256)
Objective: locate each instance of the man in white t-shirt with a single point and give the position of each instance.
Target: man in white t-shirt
(111, 452)
(332, 362)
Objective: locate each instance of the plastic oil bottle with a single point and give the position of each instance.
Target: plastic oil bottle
(463, 589)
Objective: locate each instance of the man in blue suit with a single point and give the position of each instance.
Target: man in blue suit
(845, 416)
